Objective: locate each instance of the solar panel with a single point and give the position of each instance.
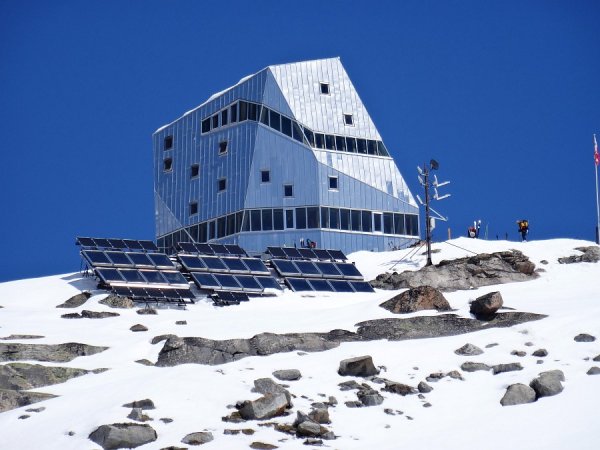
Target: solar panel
(161, 260)
(248, 283)
(119, 259)
(132, 244)
(214, 263)
(328, 269)
(349, 270)
(298, 284)
(276, 252)
(192, 263)
(240, 296)
(291, 252)
(227, 296)
(268, 283)
(235, 265)
(227, 281)
(361, 286)
(337, 254)
(185, 293)
(322, 254)
(149, 246)
(308, 269)
(285, 268)
(138, 292)
(204, 249)
(174, 278)
(155, 293)
(140, 259)
(320, 285)
(235, 249)
(96, 258)
(206, 281)
(123, 291)
(153, 276)
(85, 242)
(132, 275)
(219, 249)
(256, 266)
(307, 253)
(171, 294)
(110, 275)
(187, 247)
(341, 286)
(117, 244)
(102, 243)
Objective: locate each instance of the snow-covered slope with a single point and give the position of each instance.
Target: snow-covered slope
(464, 414)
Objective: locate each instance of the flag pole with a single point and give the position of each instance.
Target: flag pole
(596, 162)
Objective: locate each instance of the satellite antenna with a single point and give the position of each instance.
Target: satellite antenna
(434, 164)
(420, 201)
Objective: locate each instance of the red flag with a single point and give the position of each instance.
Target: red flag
(596, 155)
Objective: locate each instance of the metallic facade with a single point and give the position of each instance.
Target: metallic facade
(223, 172)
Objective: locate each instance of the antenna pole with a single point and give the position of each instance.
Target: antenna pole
(596, 161)
(427, 219)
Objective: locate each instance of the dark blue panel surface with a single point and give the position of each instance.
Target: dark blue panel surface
(308, 269)
(320, 285)
(276, 252)
(140, 259)
(307, 253)
(337, 254)
(161, 260)
(192, 263)
(149, 246)
(349, 270)
(298, 284)
(285, 268)
(361, 286)
(291, 252)
(341, 286)
(206, 281)
(96, 258)
(235, 265)
(227, 281)
(328, 269)
(268, 283)
(204, 249)
(85, 242)
(248, 283)
(153, 276)
(174, 277)
(322, 254)
(119, 259)
(214, 263)
(109, 275)
(187, 247)
(132, 275)
(132, 244)
(256, 266)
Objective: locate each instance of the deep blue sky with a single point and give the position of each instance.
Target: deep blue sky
(506, 95)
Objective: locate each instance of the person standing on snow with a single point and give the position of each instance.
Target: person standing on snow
(523, 229)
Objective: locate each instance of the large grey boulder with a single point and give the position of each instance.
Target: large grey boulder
(123, 435)
(510, 367)
(590, 254)
(268, 386)
(47, 353)
(518, 394)
(267, 406)
(76, 301)
(594, 370)
(464, 273)
(486, 306)
(417, 299)
(198, 438)
(116, 301)
(468, 350)
(11, 399)
(548, 383)
(287, 374)
(21, 376)
(474, 366)
(584, 337)
(361, 366)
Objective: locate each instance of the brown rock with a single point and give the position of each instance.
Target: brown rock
(487, 305)
(417, 299)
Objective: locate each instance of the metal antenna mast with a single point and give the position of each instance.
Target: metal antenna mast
(430, 221)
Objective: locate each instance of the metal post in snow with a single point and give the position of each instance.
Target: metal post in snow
(596, 157)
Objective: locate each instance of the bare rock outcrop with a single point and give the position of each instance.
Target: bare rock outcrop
(76, 301)
(464, 273)
(486, 306)
(589, 254)
(123, 435)
(417, 299)
(11, 399)
(47, 352)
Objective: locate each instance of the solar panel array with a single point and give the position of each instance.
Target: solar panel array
(327, 276)
(228, 274)
(135, 269)
(306, 253)
(211, 249)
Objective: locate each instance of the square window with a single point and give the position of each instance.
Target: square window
(222, 147)
(168, 165)
(325, 88)
(265, 176)
(288, 190)
(194, 170)
(193, 208)
(333, 182)
(222, 184)
(348, 119)
(168, 142)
